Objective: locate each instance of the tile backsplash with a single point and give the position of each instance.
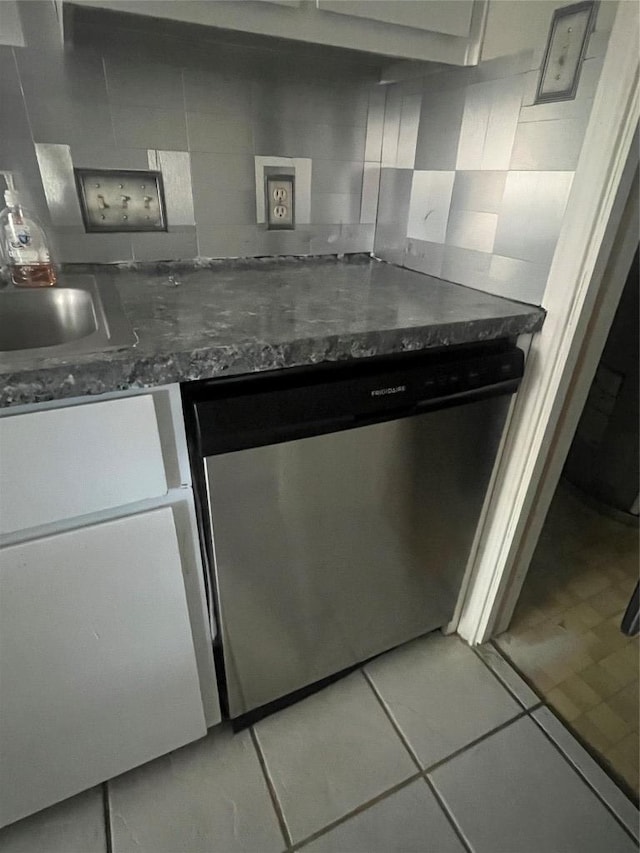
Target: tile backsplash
(475, 177)
(132, 95)
(454, 172)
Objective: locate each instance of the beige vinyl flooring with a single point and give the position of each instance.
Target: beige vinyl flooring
(565, 636)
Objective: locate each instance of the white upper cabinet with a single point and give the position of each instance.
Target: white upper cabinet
(430, 30)
(10, 24)
(436, 16)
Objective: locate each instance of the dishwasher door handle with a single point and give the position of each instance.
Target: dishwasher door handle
(469, 395)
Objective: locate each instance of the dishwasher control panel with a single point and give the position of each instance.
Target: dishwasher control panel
(231, 414)
(441, 379)
(458, 377)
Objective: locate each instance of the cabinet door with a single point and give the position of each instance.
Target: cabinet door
(97, 666)
(62, 463)
(437, 16)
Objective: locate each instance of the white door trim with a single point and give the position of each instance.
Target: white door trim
(600, 190)
(613, 282)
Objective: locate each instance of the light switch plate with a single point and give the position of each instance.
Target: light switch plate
(113, 200)
(566, 45)
(280, 201)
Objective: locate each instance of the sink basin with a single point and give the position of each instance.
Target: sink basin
(45, 318)
(81, 315)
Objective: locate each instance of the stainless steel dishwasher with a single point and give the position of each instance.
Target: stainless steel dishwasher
(337, 506)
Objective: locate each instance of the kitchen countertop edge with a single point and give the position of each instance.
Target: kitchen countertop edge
(122, 370)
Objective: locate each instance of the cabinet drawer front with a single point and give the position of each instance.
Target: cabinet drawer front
(97, 663)
(67, 462)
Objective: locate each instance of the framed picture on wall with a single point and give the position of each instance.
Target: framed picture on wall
(569, 34)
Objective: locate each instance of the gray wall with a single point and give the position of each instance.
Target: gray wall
(475, 178)
(119, 92)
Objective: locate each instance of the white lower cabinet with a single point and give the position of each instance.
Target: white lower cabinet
(97, 666)
(56, 464)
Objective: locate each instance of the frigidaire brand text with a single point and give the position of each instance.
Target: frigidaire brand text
(396, 389)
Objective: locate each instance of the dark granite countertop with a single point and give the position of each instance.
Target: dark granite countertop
(241, 317)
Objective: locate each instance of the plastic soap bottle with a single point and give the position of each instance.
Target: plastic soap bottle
(24, 244)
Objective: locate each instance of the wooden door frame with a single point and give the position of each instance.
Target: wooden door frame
(564, 355)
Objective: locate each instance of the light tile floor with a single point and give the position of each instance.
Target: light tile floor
(434, 747)
(565, 636)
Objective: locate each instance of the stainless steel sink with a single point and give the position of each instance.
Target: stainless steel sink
(33, 319)
(78, 316)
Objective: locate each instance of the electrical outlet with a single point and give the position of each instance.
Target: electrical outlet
(121, 200)
(280, 201)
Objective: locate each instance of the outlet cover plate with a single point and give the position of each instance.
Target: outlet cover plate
(121, 200)
(280, 201)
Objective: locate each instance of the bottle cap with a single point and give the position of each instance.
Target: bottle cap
(10, 194)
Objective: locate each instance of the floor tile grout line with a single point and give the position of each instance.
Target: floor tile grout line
(510, 690)
(524, 712)
(284, 829)
(543, 694)
(574, 531)
(500, 680)
(589, 749)
(448, 814)
(517, 670)
(394, 724)
(426, 776)
(400, 733)
(354, 812)
(593, 756)
(437, 764)
(584, 777)
(106, 809)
